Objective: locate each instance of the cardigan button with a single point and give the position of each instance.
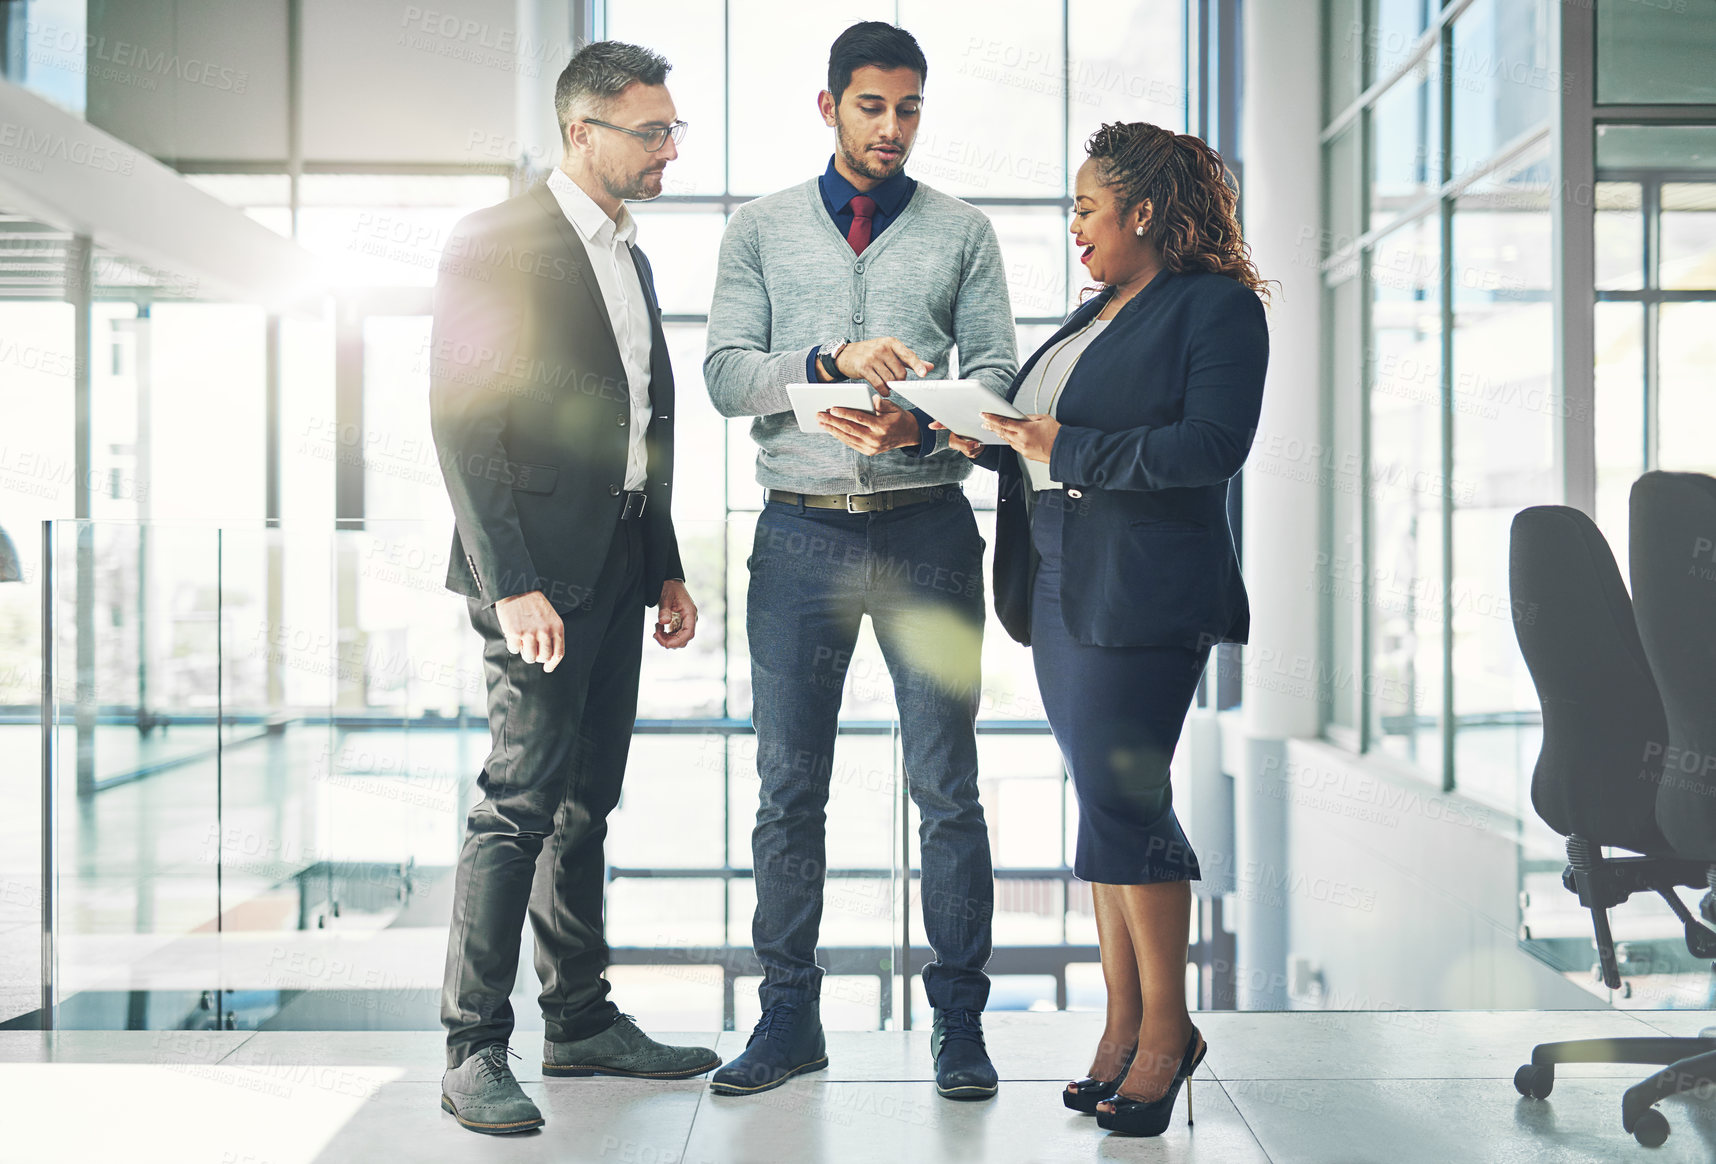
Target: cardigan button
(1075, 494)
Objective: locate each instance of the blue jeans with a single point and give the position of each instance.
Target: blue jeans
(918, 573)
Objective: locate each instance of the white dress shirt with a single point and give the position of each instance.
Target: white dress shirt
(1042, 392)
(609, 245)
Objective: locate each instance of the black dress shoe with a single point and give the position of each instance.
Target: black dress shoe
(962, 1066)
(787, 1041)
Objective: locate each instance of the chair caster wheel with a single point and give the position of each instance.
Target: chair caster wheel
(1650, 1128)
(1535, 1082)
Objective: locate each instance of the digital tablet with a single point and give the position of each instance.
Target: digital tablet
(959, 404)
(810, 399)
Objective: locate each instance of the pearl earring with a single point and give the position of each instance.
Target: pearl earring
(1139, 232)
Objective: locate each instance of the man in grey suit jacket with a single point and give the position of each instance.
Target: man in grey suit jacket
(551, 401)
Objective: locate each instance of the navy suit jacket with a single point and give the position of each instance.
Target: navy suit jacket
(1158, 414)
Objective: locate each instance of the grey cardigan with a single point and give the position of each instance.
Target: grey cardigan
(788, 282)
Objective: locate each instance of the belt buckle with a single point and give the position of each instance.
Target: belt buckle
(628, 512)
(850, 497)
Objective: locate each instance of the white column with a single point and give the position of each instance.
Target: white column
(546, 37)
(1281, 118)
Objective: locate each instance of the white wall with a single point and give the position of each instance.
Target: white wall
(1406, 898)
(190, 79)
(421, 83)
(201, 80)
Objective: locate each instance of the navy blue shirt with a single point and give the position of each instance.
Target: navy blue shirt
(891, 197)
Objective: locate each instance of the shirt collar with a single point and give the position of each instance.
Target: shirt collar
(591, 221)
(891, 196)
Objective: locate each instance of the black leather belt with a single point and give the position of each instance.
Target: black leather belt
(862, 502)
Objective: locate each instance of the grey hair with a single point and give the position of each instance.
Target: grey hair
(599, 72)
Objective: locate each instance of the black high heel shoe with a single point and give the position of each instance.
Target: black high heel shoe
(1090, 1091)
(1149, 1117)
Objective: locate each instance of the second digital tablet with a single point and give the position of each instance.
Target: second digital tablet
(959, 404)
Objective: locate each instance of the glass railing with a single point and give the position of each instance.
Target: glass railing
(261, 743)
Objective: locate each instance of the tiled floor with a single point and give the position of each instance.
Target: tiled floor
(1318, 1087)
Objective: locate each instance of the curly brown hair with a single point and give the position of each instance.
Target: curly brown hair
(1194, 221)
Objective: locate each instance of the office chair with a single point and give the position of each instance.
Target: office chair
(1673, 566)
(1605, 736)
(10, 569)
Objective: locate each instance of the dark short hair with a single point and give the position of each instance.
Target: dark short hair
(872, 42)
(599, 72)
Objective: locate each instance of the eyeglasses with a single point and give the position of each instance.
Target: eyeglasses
(653, 139)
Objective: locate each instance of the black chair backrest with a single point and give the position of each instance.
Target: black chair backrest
(1603, 725)
(1673, 552)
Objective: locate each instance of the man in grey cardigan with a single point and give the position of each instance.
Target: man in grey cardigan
(862, 274)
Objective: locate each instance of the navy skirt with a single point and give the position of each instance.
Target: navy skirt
(1116, 713)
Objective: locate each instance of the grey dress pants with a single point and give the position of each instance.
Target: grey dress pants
(533, 843)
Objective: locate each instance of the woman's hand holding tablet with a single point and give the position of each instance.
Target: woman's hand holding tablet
(958, 405)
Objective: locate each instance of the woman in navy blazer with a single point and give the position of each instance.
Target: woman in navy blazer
(1114, 560)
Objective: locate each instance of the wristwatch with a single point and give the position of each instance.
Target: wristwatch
(828, 357)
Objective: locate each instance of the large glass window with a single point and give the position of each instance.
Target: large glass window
(1007, 109)
(1655, 52)
(386, 230)
(690, 33)
(1619, 213)
(339, 661)
(1687, 335)
(1393, 32)
(1437, 259)
(1406, 487)
(1341, 194)
(1505, 412)
(37, 472)
(1006, 112)
(777, 62)
(50, 53)
(1687, 234)
(1656, 290)
(1405, 134)
(1125, 62)
(1504, 77)
(1619, 408)
(1343, 36)
(993, 127)
(208, 363)
(1343, 578)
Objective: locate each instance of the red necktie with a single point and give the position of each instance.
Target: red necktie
(863, 210)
